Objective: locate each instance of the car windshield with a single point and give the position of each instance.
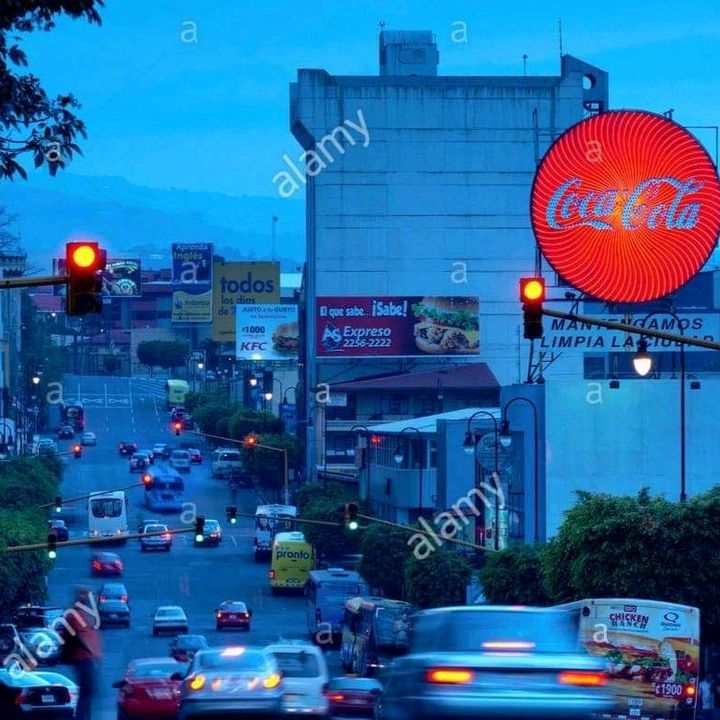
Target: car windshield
(233, 659)
(192, 642)
(106, 507)
(114, 589)
(169, 612)
(297, 664)
(234, 606)
(160, 669)
(231, 457)
(156, 528)
(492, 630)
(212, 524)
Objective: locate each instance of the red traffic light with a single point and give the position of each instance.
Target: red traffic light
(147, 479)
(251, 440)
(84, 257)
(532, 290)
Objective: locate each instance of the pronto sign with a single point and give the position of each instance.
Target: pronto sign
(626, 206)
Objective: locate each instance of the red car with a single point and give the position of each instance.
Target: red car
(233, 613)
(147, 690)
(106, 563)
(350, 696)
(195, 456)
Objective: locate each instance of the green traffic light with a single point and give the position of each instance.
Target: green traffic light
(233, 520)
(199, 538)
(353, 525)
(52, 554)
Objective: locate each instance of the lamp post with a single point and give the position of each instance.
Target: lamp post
(642, 362)
(398, 457)
(470, 446)
(506, 441)
(365, 431)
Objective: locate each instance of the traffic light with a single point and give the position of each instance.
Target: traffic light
(58, 504)
(83, 261)
(532, 295)
(350, 511)
(250, 440)
(77, 451)
(177, 426)
(147, 481)
(52, 545)
(199, 529)
(231, 514)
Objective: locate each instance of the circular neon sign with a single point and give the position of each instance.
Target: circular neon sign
(625, 206)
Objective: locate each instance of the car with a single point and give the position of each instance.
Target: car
(112, 591)
(55, 678)
(105, 563)
(477, 661)
(66, 432)
(232, 613)
(195, 456)
(184, 647)
(43, 644)
(127, 448)
(46, 446)
(9, 641)
(88, 438)
(180, 460)
(146, 522)
(25, 695)
(169, 618)
(114, 611)
(59, 529)
(234, 681)
(161, 450)
(150, 454)
(35, 616)
(353, 696)
(227, 463)
(212, 534)
(305, 677)
(147, 689)
(156, 542)
(139, 462)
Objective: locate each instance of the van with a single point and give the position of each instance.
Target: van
(227, 464)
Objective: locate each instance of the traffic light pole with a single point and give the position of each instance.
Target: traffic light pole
(24, 282)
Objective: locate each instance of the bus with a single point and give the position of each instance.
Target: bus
(73, 413)
(375, 630)
(270, 520)
(107, 515)
(651, 649)
(175, 393)
(326, 592)
(293, 559)
(166, 492)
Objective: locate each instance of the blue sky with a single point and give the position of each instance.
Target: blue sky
(213, 115)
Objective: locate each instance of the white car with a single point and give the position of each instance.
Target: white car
(180, 460)
(156, 542)
(170, 618)
(305, 675)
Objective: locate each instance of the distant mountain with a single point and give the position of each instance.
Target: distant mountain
(135, 221)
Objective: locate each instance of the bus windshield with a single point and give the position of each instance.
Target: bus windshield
(384, 624)
(106, 507)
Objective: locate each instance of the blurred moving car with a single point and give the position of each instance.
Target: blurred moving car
(66, 432)
(353, 696)
(180, 460)
(112, 591)
(59, 528)
(156, 542)
(25, 695)
(184, 647)
(54, 678)
(147, 689)
(494, 662)
(149, 453)
(195, 456)
(170, 618)
(212, 534)
(305, 677)
(139, 461)
(127, 448)
(114, 611)
(105, 563)
(9, 640)
(43, 644)
(88, 438)
(235, 681)
(232, 613)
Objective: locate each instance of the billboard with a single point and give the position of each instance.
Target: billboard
(625, 206)
(397, 326)
(266, 332)
(192, 265)
(254, 283)
(122, 278)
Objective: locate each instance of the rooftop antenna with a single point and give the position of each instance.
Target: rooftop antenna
(382, 25)
(524, 57)
(560, 37)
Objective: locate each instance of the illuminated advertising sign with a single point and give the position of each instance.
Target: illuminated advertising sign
(626, 206)
(121, 278)
(192, 282)
(397, 326)
(266, 332)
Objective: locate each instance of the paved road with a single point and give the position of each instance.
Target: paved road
(195, 578)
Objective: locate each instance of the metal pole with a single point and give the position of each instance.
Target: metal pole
(683, 495)
(287, 487)
(496, 480)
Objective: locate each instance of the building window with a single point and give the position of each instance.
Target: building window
(398, 405)
(425, 404)
(433, 453)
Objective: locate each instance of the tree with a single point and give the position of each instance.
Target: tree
(162, 353)
(384, 551)
(330, 541)
(209, 415)
(268, 466)
(30, 121)
(245, 421)
(438, 580)
(515, 576)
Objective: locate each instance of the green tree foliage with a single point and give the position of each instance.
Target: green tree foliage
(245, 421)
(515, 576)
(268, 466)
(30, 121)
(209, 416)
(438, 580)
(330, 541)
(166, 354)
(385, 551)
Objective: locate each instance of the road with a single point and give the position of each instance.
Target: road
(195, 578)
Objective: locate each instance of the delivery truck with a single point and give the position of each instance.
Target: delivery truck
(651, 650)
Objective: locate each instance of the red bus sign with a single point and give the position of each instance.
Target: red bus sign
(626, 206)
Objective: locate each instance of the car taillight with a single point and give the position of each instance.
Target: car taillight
(336, 697)
(96, 565)
(117, 565)
(272, 574)
(219, 615)
(244, 615)
(123, 598)
(581, 678)
(449, 676)
(101, 598)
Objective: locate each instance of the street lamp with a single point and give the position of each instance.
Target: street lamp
(506, 441)
(365, 431)
(470, 447)
(253, 381)
(35, 379)
(642, 362)
(399, 457)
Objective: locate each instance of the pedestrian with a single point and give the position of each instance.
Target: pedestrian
(85, 648)
(707, 704)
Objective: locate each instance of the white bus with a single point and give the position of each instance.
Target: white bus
(270, 520)
(107, 515)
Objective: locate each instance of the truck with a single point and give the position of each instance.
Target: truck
(651, 650)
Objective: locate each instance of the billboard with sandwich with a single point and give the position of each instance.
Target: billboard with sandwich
(266, 332)
(398, 326)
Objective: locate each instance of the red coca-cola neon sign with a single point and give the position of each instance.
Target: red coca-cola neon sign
(626, 206)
